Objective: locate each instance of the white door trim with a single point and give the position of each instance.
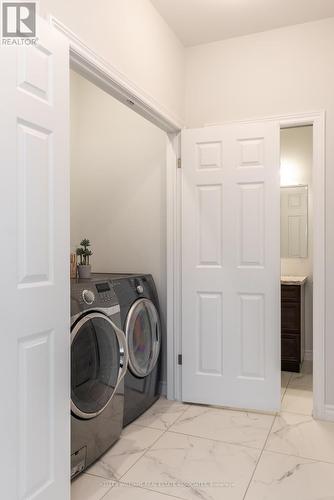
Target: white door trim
(173, 267)
(100, 72)
(317, 119)
(89, 64)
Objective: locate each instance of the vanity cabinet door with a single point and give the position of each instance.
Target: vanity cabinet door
(291, 327)
(290, 349)
(290, 293)
(290, 317)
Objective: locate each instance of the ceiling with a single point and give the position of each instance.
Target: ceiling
(202, 21)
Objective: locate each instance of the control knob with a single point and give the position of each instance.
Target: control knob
(88, 297)
(140, 288)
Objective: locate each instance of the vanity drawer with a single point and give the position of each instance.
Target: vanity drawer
(290, 352)
(290, 317)
(290, 293)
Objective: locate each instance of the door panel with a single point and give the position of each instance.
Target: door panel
(251, 225)
(231, 266)
(252, 339)
(34, 203)
(209, 205)
(209, 308)
(34, 212)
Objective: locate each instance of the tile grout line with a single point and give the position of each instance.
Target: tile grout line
(107, 492)
(159, 429)
(114, 480)
(314, 460)
(168, 495)
(147, 449)
(219, 440)
(142, 427)
(258, 461)
(199, 437)
(119, 480)
(168, 429)
(286, 388)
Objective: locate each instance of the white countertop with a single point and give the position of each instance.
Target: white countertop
(293, 280)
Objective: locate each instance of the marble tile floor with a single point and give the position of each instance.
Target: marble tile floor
(199, 452)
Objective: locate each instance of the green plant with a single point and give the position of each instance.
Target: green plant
(84, 253)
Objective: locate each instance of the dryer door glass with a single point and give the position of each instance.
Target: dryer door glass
(143, 334)
(95, 365)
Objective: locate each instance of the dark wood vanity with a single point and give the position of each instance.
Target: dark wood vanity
(292, 322)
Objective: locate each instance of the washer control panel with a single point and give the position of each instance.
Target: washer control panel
(91, 294)
(105, 291)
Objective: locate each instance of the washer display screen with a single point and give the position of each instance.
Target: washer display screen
(102, 287)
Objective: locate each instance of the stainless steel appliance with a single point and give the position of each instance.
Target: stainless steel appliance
(99, 358)
(140, 316)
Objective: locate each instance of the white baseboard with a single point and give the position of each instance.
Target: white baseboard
(163, 388)
(329, 413)
(308, 355)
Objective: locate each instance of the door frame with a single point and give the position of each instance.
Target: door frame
(317, 120)
(101, 73)
(104, 75)
(93, 67)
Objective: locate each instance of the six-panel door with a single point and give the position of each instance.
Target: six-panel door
(34, 212)
(231, 266)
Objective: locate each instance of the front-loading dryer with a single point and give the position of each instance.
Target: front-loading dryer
(99, 358)
(141, 322)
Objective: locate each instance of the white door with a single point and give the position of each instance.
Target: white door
(34, 214)
(231, 266)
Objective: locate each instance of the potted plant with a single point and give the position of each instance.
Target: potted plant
(83, 252)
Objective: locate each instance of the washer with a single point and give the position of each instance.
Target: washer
(99, 358)
(140, 315)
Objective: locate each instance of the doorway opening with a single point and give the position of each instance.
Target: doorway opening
(296, 193)
(118, 203)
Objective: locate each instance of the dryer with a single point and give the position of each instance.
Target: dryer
(99, 359)
(140, 314)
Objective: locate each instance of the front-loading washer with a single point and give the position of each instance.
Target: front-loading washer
(140, 314)
(99, 358)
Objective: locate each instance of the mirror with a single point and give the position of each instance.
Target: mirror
(294, 222)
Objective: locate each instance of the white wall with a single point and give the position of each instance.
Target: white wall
(296, 154)
(118, 167)
(281, 71)
(133, 37)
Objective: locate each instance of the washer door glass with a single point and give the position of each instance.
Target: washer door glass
(95, 364)
(143, 334)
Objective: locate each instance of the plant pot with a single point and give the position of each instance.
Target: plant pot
(84, 271)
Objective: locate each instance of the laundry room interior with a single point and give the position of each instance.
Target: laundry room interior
(166, 209)
(118, 171)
